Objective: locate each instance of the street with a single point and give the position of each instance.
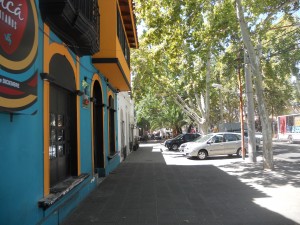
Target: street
(282, 186)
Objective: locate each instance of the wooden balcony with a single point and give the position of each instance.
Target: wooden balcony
(76, 22)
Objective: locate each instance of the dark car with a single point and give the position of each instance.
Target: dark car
(173, 144)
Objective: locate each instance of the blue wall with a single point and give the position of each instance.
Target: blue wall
(22, 157)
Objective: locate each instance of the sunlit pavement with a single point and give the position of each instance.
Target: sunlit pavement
(282, 186)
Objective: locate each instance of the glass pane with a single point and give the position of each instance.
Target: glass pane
(52, 135)
(52, 119)
(60, 120)
(61, 150)
(60, 135)
(52, 152)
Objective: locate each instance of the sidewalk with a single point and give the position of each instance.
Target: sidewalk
(144, 190)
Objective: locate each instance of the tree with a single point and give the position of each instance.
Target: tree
(255, 58)
(188, 45)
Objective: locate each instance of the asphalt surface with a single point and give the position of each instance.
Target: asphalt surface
(154, 186)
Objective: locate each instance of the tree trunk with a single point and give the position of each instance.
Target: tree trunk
(255, 66)
(207, 96)
(250, 109)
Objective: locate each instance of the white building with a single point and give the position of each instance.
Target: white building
(127, 129)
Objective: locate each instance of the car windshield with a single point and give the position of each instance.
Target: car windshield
(204, 138)
(179, 136)
(196, 139)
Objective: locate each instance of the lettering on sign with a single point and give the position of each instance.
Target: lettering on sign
(9, 83)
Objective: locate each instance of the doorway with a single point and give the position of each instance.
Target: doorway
(112, 141)
(63, 145)
(99, 163)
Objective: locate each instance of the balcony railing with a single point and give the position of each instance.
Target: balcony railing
(76, 22)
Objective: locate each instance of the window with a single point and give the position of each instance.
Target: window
(217, 139)
(122, 38)
(230, 137)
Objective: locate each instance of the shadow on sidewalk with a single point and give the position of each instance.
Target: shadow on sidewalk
(144, 190)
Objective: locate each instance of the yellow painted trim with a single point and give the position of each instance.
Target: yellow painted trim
(110, 93)
(51, 49)
(11, 103)
(19, 65)
(46, 139)
(77, 80)
(96, 78)
(46, 116)
(92, 125)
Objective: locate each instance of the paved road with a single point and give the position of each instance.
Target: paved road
(282, 186)
(157, 187)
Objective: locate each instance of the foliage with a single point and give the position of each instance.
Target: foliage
(175, 47)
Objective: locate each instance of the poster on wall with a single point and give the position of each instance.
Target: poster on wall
(18, 51)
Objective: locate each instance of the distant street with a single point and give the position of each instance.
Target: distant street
(281, 151)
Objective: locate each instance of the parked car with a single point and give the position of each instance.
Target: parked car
(259, 137)
(173, 144)
(182, 146)
(222, 143)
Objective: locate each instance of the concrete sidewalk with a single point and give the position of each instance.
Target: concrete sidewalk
(145, 190)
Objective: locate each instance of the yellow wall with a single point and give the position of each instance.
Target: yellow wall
(108, 28)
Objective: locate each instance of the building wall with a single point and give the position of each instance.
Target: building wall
(125, 118)
(24, 125)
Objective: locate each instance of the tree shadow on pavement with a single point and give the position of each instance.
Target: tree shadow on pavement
(285, 172)
(145, 190)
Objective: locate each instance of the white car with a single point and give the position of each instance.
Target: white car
(182, 146)
(223, 143)
(259, 137)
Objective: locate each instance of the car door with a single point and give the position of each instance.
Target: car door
(231, 143)
(216, 145)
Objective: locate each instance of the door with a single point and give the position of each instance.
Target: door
(112, 143)
(62, 134)
(231, 143)
(98, 129)
(216, 146)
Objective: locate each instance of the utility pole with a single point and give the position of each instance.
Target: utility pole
(250, 110)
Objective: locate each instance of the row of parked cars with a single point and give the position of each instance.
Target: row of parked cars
(221, 143)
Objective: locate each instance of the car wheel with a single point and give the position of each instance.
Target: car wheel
(239, 152)
(202, 154)
(290, 139)
(174, 147)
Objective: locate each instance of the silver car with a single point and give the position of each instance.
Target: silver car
(223, 143)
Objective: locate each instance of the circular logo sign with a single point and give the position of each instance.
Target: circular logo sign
(18, 34)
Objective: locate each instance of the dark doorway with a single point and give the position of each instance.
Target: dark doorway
(112, 142)
(98, 128)
(63, 121)
(63, 138)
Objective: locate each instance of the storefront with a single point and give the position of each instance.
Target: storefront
(58, 113)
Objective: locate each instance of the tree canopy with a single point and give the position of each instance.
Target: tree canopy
(187, 45)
